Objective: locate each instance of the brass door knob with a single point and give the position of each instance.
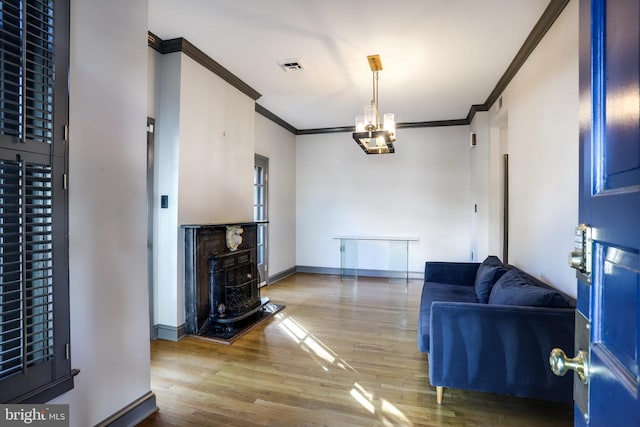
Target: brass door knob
(561, 364)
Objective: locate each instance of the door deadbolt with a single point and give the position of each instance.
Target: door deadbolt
(580, 257)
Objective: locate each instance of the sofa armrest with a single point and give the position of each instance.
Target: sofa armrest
(500, 349)
(453, 273)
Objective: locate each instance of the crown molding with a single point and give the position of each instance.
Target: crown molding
(185, 46)
(547, 19)
(277, 120)
(324, 130)
(432, 124)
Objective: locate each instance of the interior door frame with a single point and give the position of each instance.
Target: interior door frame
(151, 124)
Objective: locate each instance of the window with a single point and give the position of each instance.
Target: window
(34, 283)
(260, 181)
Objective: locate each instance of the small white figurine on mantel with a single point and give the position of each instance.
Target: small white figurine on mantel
(234, 237)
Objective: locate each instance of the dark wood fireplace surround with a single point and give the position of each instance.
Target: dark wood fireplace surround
(221, 284)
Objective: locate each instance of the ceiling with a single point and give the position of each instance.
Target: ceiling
(439, 57)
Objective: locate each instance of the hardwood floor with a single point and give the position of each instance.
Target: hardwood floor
(342, 353)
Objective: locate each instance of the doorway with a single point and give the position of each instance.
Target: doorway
(503, 133)
(505, 208)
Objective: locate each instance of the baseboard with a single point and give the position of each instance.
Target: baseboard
(133, 413)
(282, 275)
(361, 272)
(389, 274)
(169, 333)
(317, 270)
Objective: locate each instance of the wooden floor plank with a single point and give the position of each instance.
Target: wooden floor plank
(342, 353)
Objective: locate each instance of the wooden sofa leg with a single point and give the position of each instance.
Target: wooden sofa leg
(439, 393)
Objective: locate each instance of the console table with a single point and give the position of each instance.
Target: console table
(351, 247)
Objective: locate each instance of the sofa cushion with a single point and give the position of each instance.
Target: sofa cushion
(438, 292)
(492, 260)
(451, 273)
(514, 289)
(488, 274)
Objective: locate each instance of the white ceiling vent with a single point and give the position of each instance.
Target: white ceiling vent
(293, 64)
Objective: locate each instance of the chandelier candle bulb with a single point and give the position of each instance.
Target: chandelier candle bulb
(390, 122)
(370, 114)
(360, 124)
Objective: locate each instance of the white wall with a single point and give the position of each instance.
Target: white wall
(279, 146)
(107, 208)
(206, 137)
(153, 81)
(486, 186)
(480, 187)
(215, 183)
(542, 108)
(204, 163)
(166, 104)
(422, 190)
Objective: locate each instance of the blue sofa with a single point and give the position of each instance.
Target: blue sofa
(490, 327)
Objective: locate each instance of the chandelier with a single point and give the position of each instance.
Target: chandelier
(372, 135)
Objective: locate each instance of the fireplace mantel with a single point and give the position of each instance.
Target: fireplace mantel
(187, 226)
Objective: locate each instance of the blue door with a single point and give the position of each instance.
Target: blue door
(609, 289)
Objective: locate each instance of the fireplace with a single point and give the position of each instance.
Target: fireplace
(221, 276)
(233, 286)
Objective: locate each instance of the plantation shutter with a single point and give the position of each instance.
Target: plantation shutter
(34, 285)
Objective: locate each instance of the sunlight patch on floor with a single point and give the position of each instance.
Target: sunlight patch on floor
(327, 359)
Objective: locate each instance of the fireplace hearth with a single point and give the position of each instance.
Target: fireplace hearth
(221, 278)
